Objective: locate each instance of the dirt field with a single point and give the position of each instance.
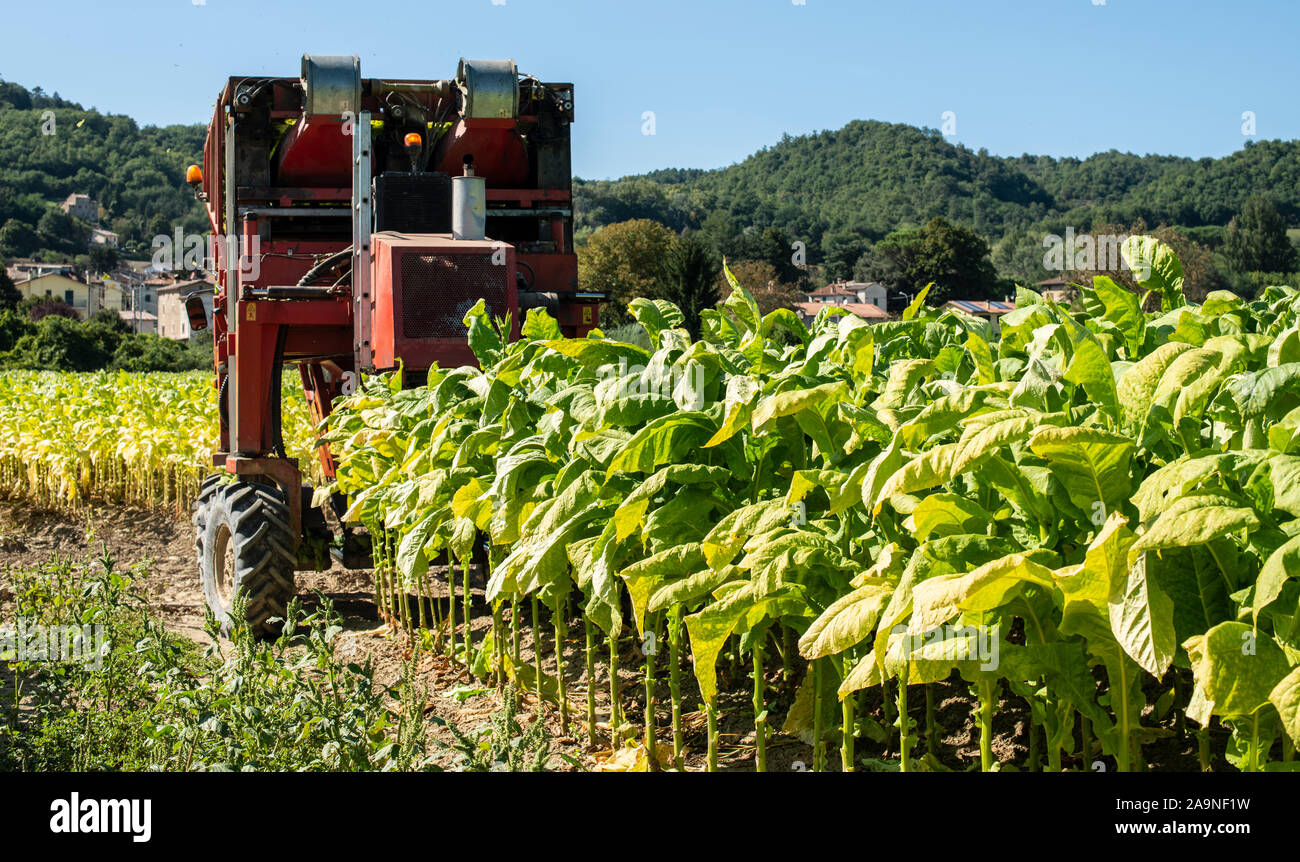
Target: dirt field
(162, 545)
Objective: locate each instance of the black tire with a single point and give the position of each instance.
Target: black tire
(245, 545)
(199, 518)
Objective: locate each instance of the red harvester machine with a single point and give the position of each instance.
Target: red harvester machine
(355, 222)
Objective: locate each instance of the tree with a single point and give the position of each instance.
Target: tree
(59, 344)
(1019, 256)
(43, 308)
(692, 274)
(9, 295)
(57, 229)
(18, 239)
(110, 319)
(148, 352)
(625, 261)
(955, 258)
(103, 258)
(13, 327)
(842, 249)
(1256, 240)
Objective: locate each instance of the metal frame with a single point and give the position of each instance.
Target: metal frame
(362, 220)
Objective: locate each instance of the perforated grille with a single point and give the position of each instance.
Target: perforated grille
(437, 291)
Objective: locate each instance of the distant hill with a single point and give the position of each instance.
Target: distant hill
(835, 190)
(136, 174)
(870, 178)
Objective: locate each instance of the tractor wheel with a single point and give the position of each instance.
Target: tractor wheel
(245, 545)
(199, 519)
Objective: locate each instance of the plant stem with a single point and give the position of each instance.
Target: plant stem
(591, 680)
(787, 650)
(931, 730)
(537, 651)
(1253, 763)
(469, 635)
(1033, 741)
(1124, 753)
(711, 713)
(615, 706)
(846, 744)
(819, 744)
(652, 627)
(675, 682)
(498, 646)
(1085, 739)
(760, 711)
(986, 725)
(904, 739)
(451, 604)
(557, 623)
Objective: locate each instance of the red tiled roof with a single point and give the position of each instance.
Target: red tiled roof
(865, 310)
(970, 306)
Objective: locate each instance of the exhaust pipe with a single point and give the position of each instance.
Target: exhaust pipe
(469, 204)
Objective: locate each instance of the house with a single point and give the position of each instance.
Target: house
(1057, 289)
(112, 296)
(868, 311)
(870, 293)
(85, 298)
(139, 292)
(990, 311)
(140, 321)
(83, 207)
(63, 286)
(21, 268)
(173, 319)
(106, 238)
(833, 294)
(146, 297)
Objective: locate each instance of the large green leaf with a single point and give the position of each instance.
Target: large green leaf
(1155, 267)
(1196, 519)
(1282, 564)
(1091, 464)
(1142, 618)
(1122, 308)
(1236, 668)
(937, 600)
(1137, 386)
(793, 401)
(849, 620)
(946, 515)
(663, 441)
(1285, 696)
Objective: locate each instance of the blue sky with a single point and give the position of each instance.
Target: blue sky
(725, 78)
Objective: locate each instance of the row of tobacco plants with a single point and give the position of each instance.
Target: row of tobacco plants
(139, 438)
(1096, 510)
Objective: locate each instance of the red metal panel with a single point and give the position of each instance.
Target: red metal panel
(416, 272)
(498, 151)
(315, 152)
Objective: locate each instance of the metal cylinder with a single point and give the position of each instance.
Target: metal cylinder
(468, 208)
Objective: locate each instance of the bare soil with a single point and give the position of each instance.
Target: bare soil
(160, 545)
